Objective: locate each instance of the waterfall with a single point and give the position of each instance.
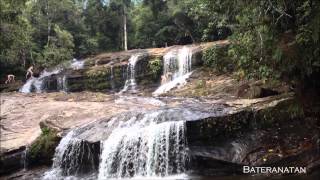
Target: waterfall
(177, 68)
(154, 150)
(141, 145)
(72, 157)
(170, 62)
(62, 83)
(27, 87)
(37, 84)
(77, 64)
(24, 159)
(130, 84)
(184, 60)
(34, 84)
(112, 81)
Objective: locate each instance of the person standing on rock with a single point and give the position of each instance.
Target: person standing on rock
(29, 72)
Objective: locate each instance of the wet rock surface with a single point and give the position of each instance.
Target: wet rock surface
(274, 136)
(222, 134)
(228, 123)
(108, 72)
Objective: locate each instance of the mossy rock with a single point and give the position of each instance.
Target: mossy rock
(11, 87)
(215, 129)
(284, 112)
(43, 148)
(155, 67)
(102, 78)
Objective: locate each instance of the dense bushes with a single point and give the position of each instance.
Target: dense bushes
(155, 66)
(270, 39)
(42, 150)
(217, 58)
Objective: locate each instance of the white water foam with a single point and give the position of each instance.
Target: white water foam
(177, 82)
(62, 84)
(177, 69)
(38, 83)
(144, 149)
(139, 100)
(77, 64)
(137, 145)
(56, 171)
(70, 158)
(130, 84)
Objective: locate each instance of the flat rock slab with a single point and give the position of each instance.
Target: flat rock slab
(22, 113)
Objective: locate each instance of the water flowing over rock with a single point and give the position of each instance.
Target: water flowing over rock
(38, 84)
(176, 69)
(46, 81)
(130, 84)
(73, 156)
(112, 80)
(154, 150)
(133, 144)
(77, 64)
(62, 83)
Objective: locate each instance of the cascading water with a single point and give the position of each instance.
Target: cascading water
(144, 149)
(177, 68)
(27, 87)
(62, 83)
(77, 64)
(34, 84)
(170, 63)
(37, 84)
(141, 145)
(72, 157)
(24, 159)
(130, 84)
(112, 81)
(184, 60)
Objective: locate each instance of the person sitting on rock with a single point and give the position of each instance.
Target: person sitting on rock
(166, 78)
(10, 78)
(163, 79)
(29, 72)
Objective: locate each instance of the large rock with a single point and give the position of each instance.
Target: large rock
(109, 71)
(268, 134)
(222, 136)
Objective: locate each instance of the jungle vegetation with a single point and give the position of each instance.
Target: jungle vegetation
(276, 39)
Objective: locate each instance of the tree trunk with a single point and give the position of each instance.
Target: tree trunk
(23, 57)
(125, 38)
(49, 23)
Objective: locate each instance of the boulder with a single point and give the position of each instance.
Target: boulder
(273, 134)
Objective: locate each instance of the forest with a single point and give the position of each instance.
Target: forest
(160, 89)
(276, 39)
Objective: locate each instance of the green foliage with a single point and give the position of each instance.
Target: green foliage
(15, 39)
(155, 67)
(44, 146)
(270, 38)
(59, 49)
(308, 41)
(217, 58)
(95, 73)
(154, 24)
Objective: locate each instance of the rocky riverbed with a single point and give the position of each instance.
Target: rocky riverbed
(103, 119)
(229, 133)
